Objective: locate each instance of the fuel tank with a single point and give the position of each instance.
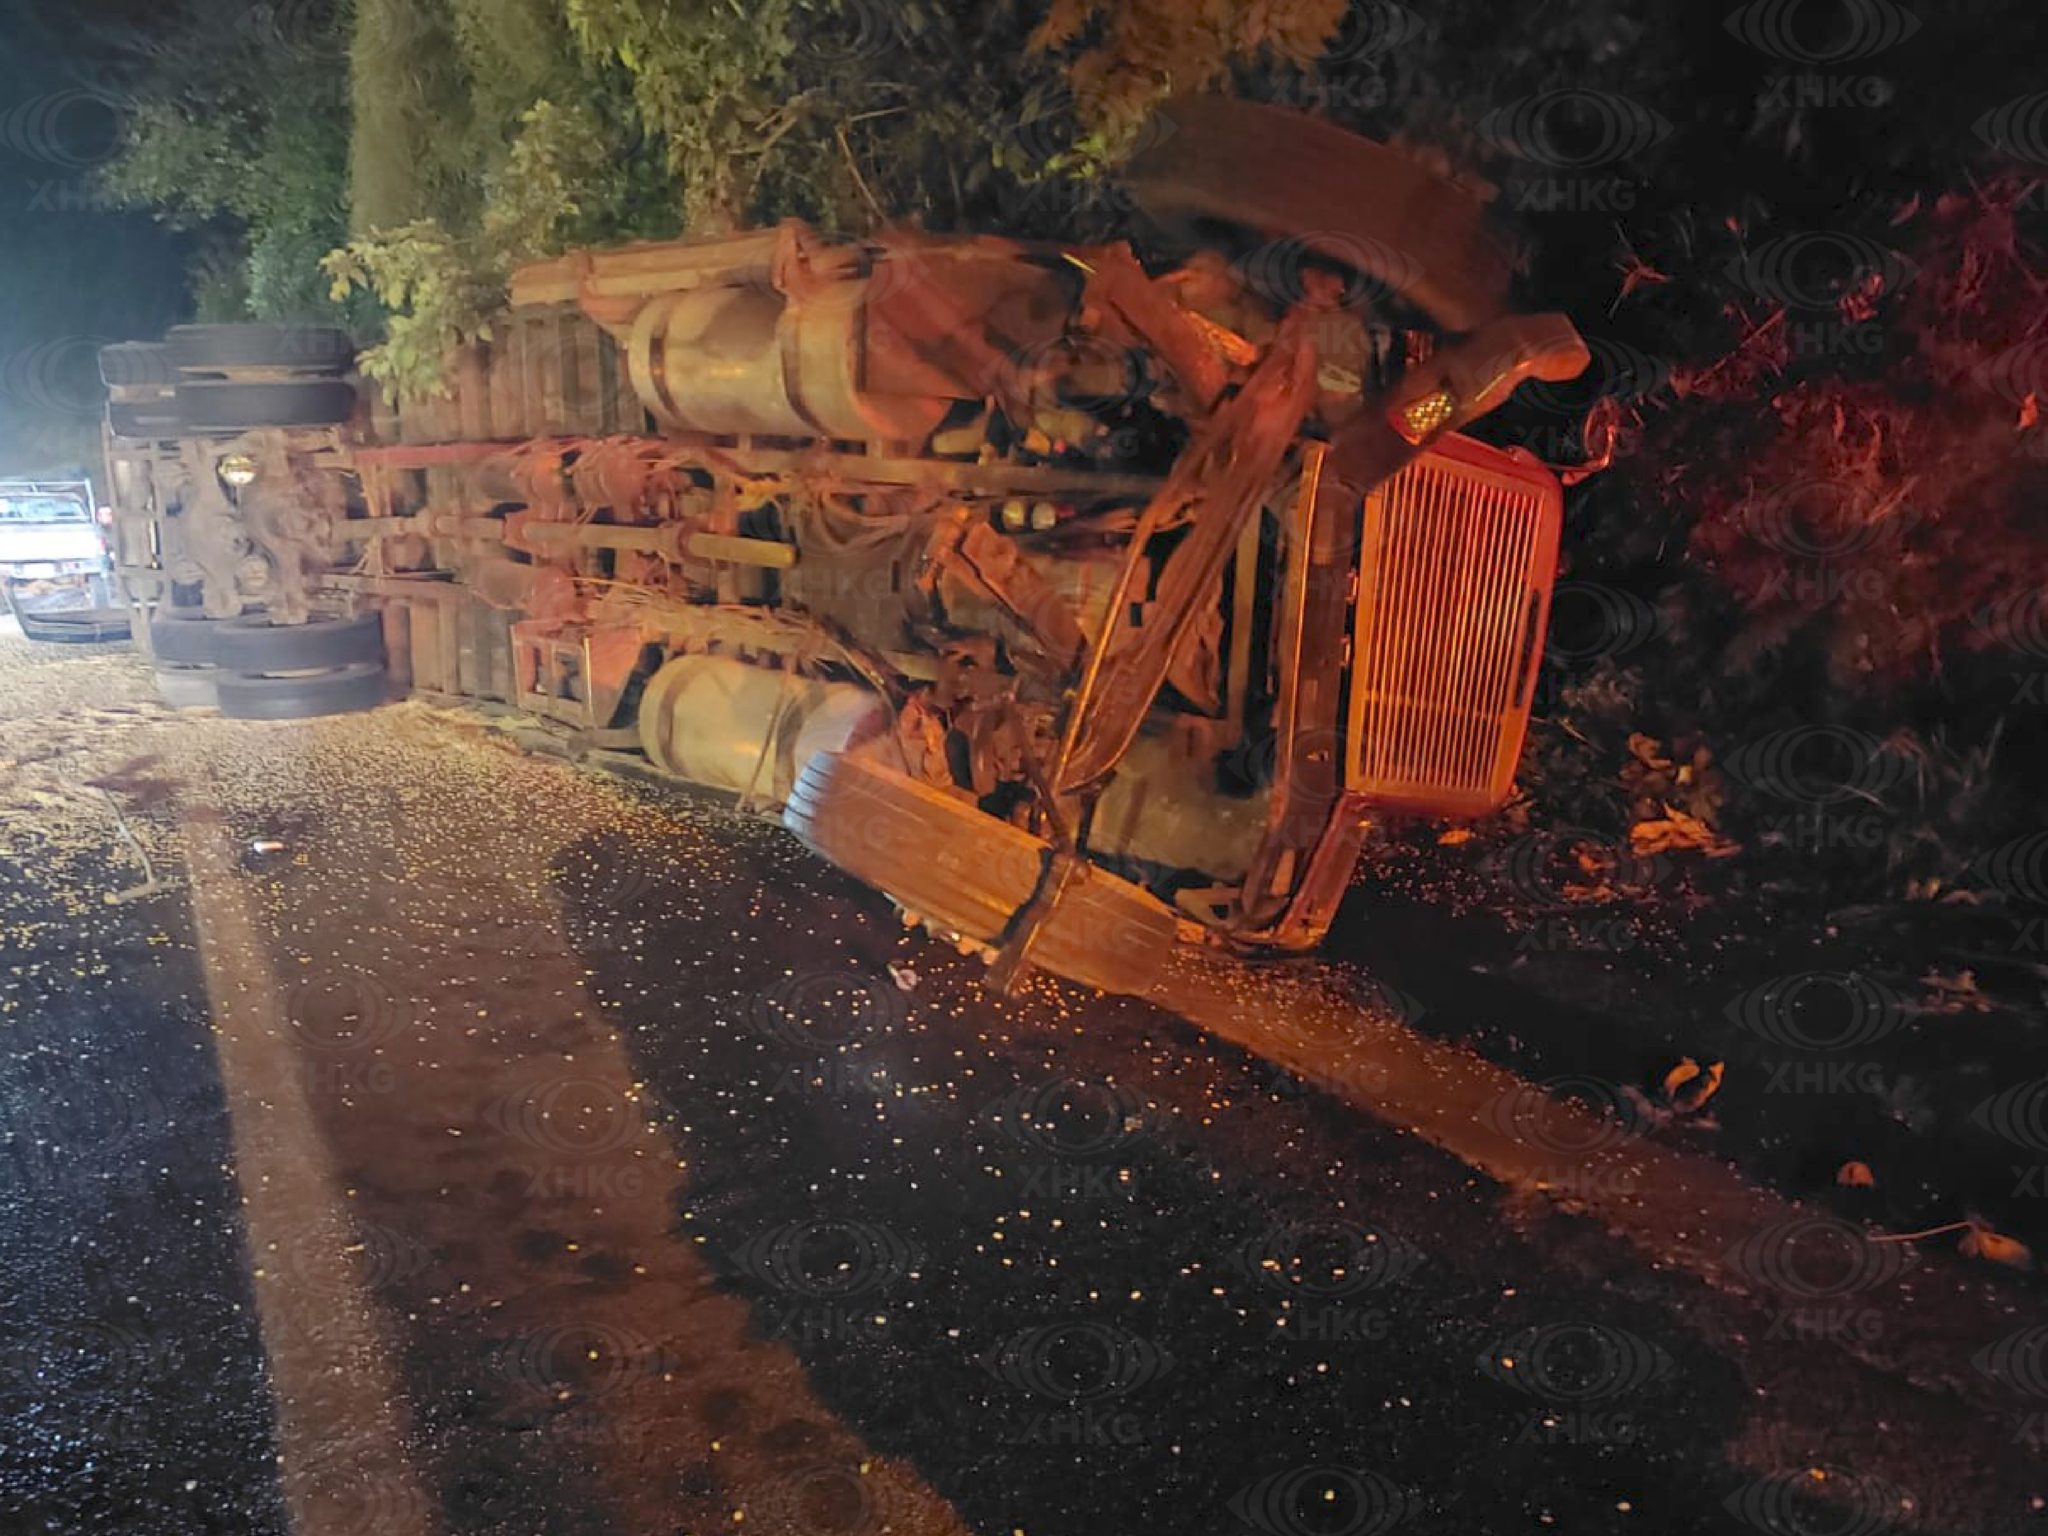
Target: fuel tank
(706, 718)
(752, 360)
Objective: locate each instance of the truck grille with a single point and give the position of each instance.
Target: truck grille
(1459, 552)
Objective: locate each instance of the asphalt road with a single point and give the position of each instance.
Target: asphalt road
(465, 1141)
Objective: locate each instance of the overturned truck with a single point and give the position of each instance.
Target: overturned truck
(1082, 603)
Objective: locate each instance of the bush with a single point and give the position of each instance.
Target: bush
(435, 295)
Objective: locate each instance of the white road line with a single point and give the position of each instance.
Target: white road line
(341, 1432)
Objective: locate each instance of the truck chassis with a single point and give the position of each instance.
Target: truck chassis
(1082, 603)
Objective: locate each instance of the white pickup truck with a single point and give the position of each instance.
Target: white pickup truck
(55, 573)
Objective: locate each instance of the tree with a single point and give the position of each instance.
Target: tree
(239, 127)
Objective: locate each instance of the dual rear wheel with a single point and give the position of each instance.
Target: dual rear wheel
(228, 378)
(251, 669)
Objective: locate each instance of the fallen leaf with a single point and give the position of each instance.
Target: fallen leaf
(1958, 993)
(1855, 1176)
(1648, 751)
(1679, 832)
(1689, 1085)
(1980, 1242)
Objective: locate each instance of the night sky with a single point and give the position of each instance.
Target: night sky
(73, 273)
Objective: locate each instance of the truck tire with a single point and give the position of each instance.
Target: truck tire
(253, 644)
(137, 365)
(222, 405)
(189, 687)
(302, 348)
(960, 869)
(181, 642)
(144, 421)
(305, 695)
